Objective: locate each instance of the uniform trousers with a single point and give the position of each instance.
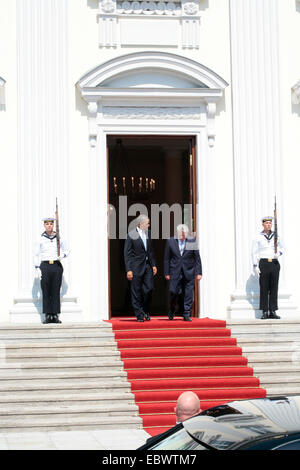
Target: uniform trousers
(268, 282)
(50, 284)
(182, 290)
(141, 291)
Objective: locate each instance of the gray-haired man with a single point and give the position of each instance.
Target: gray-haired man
(182, 265)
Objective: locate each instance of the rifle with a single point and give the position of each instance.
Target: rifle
(275, 228)
(57, 230)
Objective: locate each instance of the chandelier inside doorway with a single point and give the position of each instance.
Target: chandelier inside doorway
(124, 181)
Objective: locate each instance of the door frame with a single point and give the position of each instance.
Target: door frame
(192, 200)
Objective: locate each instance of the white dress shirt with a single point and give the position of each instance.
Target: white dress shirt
(263, 247)
(143, 236)
(181, 245)
(46, 249)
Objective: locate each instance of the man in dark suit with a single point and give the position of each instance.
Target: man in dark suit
(182, 265)
(140, 267)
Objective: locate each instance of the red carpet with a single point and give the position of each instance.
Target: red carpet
(164, 358)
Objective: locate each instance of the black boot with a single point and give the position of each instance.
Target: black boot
(273, 315)
(47, 319)
(55, 319)
(264, 316)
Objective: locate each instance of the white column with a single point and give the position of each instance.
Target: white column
(42, 135)
(206, 207)
(99, 289)
(256, 137)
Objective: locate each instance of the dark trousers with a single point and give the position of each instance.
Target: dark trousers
(182, 292)
(50, 285)
(141, 292)
(268, 283)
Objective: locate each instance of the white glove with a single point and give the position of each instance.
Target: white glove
(61, 257)
(276, 255)
(37, 273)
(256, 270)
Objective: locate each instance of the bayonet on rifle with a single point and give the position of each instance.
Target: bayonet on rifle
(275, 228)
(57, 230)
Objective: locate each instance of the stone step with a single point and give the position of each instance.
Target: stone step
(58, 337)
(28, 374)
(40, 409)
(85, 355)
(84, 326)
(75, 365)
(59, 345)
(90, 384)
(271, 348)
(283, 370)
(283, 330)
(17, 333)
(283, 390)
(275, 380)
(66, 423)
(265, 340)
(108, 397)
(265, 360)
(246, 322)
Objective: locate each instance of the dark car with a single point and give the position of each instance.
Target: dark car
(258, 424)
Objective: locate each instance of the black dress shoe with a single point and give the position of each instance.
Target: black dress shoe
(140, 319)
(55, 319)
(264, 316)
(147, 316)
(47, 319)
(187, 318)
(171, 316)
(273, 315)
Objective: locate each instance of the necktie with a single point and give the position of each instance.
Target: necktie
(181, 247)
(144, 240)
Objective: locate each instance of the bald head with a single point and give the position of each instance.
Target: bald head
(188, 405)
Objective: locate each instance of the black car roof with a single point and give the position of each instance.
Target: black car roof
(241, 422)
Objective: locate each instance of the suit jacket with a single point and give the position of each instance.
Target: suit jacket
(189, 262)
(135, 255)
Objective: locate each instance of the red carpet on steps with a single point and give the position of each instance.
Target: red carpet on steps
(163, 358)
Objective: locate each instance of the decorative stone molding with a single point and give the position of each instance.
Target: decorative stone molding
(2, 93)
(116, 27)
(92, 109)
(196, 102)
(211, 113)
(114, 112)
(148, 8)
(296, 93)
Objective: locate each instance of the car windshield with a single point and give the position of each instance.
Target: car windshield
(180, 440)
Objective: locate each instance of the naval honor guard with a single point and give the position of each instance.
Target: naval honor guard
(266, 249)
(49, 251)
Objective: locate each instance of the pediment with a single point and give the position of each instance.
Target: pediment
(151, 70)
